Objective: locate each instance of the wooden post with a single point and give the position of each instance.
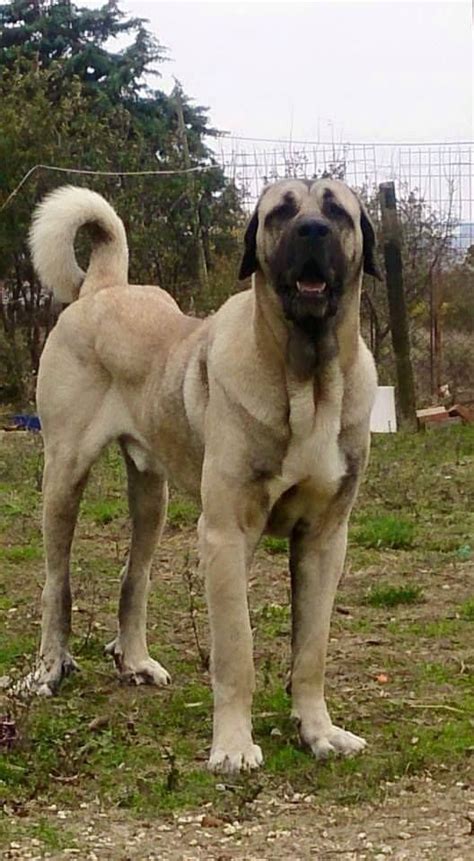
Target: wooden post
(397, 305)
(437, 333)
(201, 267)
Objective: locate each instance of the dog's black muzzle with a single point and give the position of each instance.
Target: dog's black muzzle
(308, 269)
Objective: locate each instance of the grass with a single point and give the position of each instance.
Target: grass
(385, 531)
(182, 512)
(275, 545)
(467, 610)
(21, 553)
(103, 511)
(392, 596)
(406, 613)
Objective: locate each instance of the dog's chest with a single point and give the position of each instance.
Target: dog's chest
(313, 452)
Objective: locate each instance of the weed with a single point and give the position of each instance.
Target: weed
(24, 553)
(182, 512)
(275, 545)
(385, 531)
(467, 610)
(172, 774)
(277, 612)
(52, 837)
(103, 511)
(190, 578)
(391, 596)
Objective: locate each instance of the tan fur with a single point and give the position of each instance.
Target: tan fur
(216, 405)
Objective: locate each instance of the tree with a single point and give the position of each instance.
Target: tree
(46, 33)
(69, 101)
(438, 287)
(29, 127)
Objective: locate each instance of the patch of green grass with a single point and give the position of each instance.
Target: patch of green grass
(14, 649)
(21, 553)
(464, 552)
(392, 596)
(51, 836)
(361, 626)
(277, 612)
(437, 628)
(273, 620)
(103, 511)
(286, 759)
(182, 512)
(385, 531)
(275, 545)
(149, 756)
(467, 610)
(448, 674)
(10, 506)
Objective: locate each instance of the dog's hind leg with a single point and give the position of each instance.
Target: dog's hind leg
(148, 497)
(64, 479)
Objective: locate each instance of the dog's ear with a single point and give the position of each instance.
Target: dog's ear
(249, 263)
(371, 266)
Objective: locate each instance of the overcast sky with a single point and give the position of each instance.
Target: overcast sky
(378, 70)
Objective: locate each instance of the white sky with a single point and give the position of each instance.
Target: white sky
(378, 70)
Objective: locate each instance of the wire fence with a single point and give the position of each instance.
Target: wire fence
(441, 174)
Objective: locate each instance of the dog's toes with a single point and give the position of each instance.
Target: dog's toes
(114, 650)
(149, 672)
(322, 748)
(334, 742)
(145, 671)
(45, 690)
(32, 684)
(45, 680)
(69, 666)
(234, 760)
(347, 743)
(110, 648)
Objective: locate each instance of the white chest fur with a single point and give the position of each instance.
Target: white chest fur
(313, 453)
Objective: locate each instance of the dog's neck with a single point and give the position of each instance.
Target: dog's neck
(307, 352)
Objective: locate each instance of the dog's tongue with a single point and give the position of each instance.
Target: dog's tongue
(311, 286)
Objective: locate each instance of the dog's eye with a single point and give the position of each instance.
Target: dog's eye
(282, 212)
(338, 213)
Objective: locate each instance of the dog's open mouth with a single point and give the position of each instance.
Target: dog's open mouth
(311, 288)
(311, 282)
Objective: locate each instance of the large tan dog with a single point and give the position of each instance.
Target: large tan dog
(261, 412)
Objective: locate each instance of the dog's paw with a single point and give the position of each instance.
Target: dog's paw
(141, 672)
(147, 672)
(45, 679)
(232, 759)
(333, 742)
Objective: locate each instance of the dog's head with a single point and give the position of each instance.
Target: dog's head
(311, 239)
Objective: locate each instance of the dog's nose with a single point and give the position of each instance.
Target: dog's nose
(312, 228)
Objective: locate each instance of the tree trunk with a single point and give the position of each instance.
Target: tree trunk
(201, 266)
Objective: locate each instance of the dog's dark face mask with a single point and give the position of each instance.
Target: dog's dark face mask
(306, 238)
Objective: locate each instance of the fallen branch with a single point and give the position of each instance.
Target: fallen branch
(440, 706)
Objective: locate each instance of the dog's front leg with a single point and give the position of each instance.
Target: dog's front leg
(224, 553)
(316, 562)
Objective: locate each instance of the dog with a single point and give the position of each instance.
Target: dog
(260, 412)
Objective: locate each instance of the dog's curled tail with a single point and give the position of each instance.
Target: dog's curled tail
(55, 223)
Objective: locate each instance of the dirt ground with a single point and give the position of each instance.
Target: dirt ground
(418, 819)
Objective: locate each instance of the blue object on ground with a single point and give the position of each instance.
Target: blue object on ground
(31, 423)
